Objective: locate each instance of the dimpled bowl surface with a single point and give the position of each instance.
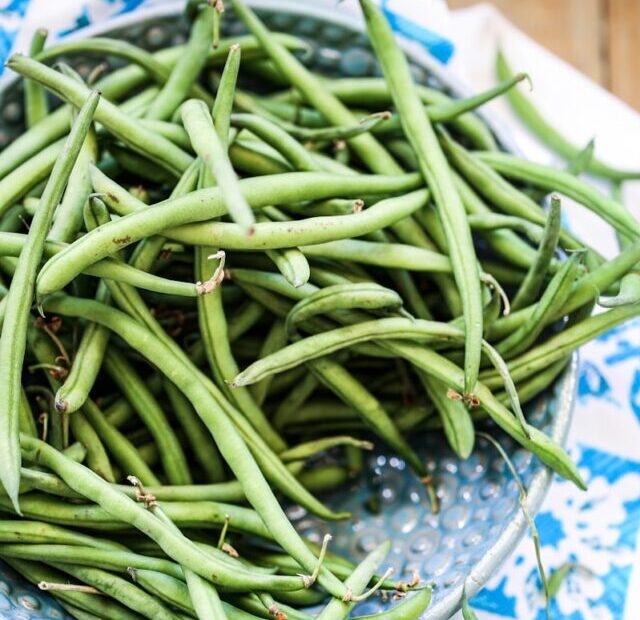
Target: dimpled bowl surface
(480, 522)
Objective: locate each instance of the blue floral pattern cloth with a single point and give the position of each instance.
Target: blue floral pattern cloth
(595, 532)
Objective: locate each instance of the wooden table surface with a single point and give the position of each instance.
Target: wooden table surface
(599, 37)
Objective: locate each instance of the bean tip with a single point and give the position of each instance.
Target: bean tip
(61, 405)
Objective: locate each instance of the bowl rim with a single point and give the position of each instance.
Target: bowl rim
(325, 10)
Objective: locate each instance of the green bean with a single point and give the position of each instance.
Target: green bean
(121, 590)
(76, 612)
(582, 160)
(504, 195)
(329, 342)
(292, 151)
(330, 134)
(390, 255)
(218, 492)
(133, 387)
(551, 179)
(455, 416)
(171, 131)
(552, 302)
(276, 339)
(121, 449)
(202, 593)
(253, 159)
(199, 441)
(309, 449)
(33, 532)
(76, 452)
(169, 589)
(186, 70)
(629, 293)
(106, 559)
(532, 283)
(129, 161)
(525, 510)
(247, 316)
(560, 345)
(86, 363)
(450, 110)
(136, 106)
(26, 176)
(410, 608)
(122, 126)
(291, 262)
(290, 405)
(31, 479)
(27, 423)
(74, 392)
(351, 391)
(97, 458)
(102, 607)
(492, 221)
(436, 172)
(227, 438)
(550, 136)
(213, 328)
(207, 144)
(365, 295)
(35, 98)
(20, 296)
(357, 581)
(275, 235)
(67, 220)
(223, 104)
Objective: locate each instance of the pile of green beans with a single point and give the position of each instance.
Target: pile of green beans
(213, 300)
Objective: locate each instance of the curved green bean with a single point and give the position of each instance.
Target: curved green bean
(435, 170)
(19, 299)
(552, 302)
(186, 70)
(530, 287)
(207, 144)
(550, 136)
(390, 255)
(564, 182)
(368, 296)
(36, 106)
(410, 608)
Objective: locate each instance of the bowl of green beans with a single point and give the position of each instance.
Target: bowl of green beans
(286, 332)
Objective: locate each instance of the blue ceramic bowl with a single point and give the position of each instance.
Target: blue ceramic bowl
(480, 522)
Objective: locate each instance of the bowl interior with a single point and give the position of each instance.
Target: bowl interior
(480, 522)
